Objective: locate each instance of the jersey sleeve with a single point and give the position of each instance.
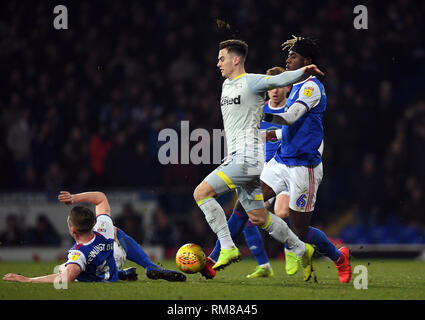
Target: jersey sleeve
(105, 226)
(77, 257)
(309, 95)
(260, 83)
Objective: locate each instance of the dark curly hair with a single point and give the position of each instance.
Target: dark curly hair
(307, 47)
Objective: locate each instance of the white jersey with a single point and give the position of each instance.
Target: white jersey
(242, 101)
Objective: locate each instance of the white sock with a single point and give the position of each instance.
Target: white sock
(299, 249)
(216, 219)
(279, 230)
(266, 265)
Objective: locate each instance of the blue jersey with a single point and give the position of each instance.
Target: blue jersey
(301, 140)
(96, 257)
(270, 147)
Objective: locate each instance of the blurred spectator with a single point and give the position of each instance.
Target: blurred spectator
(368, 192)
(42, 234)
(415, 140)
(413, 204)
(31, 179)
(100, 145)
(12, 235)
(131, 222)
(19, 137)
(76, 159)
(54, 178)
(45, 147)
(405, 177)
(163, 231)
(66, 96)
(118, 173)
(145, 171)
(183, 68)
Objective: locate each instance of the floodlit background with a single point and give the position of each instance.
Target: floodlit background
(81, 109)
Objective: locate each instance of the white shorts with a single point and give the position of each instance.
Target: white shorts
(301, 181)
(240, 171)
(119, 255)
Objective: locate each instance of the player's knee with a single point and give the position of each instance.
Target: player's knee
(202, 191)
(197, 193)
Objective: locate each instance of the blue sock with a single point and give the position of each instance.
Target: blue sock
(321, 241)
(236, 225)
(254, 240)
(287, 222)
(134, 251)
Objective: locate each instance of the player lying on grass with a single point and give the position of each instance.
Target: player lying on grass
(100, 249)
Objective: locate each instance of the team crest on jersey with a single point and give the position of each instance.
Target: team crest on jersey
(74, 256)
(308, 91)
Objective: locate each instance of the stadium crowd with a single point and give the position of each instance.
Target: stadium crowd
(82, 108)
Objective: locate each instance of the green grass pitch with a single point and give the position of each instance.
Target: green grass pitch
(387, 279)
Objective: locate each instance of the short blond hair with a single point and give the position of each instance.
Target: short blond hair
(274, 71)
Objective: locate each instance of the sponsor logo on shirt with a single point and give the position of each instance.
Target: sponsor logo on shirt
(229, 101)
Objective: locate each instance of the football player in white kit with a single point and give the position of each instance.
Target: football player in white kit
(242, 100)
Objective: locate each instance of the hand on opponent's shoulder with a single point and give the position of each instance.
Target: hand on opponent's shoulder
(313, 70)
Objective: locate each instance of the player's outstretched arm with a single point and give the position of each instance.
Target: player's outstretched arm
(286, 118)
(259, 82)
(69, 274)
(95, 197)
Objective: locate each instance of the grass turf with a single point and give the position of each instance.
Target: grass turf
(387, 279)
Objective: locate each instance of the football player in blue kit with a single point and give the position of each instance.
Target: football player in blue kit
(297, 164)
(92, 256)
(100, 249)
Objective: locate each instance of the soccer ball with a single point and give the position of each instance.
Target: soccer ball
(190, 258)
